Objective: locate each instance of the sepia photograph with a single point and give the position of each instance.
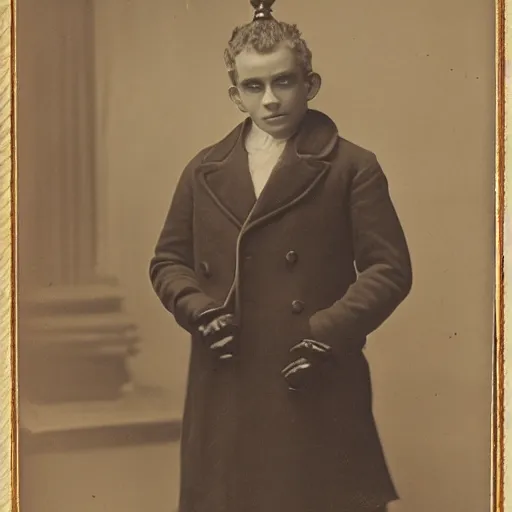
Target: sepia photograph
(258, 255)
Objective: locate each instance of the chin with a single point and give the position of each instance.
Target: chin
(281, 132)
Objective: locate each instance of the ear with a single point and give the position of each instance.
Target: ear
(234, 95)
(313, 83)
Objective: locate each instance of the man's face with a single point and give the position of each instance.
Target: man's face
(272, 89)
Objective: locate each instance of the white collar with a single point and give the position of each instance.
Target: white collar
(259, 140)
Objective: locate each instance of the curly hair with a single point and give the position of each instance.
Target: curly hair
(263, 36)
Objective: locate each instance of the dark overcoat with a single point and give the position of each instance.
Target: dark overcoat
(321, 254)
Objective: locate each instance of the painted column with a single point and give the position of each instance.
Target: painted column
(75, 337)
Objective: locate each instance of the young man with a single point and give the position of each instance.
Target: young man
(281, 252)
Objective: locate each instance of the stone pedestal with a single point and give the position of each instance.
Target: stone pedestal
(79, 340)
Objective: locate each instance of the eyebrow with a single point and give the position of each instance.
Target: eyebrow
(281, 74)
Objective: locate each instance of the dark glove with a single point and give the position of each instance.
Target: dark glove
(310, 357)
(218, 328)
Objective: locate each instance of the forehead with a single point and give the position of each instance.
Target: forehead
(251, 64)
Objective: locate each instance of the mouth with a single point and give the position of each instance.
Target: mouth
(274, 116)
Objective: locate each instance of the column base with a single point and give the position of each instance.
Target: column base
(75, 345)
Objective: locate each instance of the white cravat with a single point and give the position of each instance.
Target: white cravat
(264, 152)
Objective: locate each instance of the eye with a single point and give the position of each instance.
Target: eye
(252, 87)
(285, 81)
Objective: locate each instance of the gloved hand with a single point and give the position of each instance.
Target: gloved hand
(218, 328)
(310, 357)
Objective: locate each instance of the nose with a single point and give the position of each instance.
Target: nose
(269, 99)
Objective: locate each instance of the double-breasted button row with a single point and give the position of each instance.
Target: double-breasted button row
(297, 306)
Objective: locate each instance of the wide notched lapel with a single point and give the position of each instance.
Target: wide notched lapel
(225, 175)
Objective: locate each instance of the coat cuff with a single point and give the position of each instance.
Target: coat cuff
(192, 306)
(319, 328)
(323, 330)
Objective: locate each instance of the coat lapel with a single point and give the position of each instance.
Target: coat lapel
(225, 175)
(289, 182)
(225, 171)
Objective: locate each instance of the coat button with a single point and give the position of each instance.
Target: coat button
(297, 306)
(292, 257)
(205, 269)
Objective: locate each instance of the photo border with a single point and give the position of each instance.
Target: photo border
(501, 381)
(9, 491)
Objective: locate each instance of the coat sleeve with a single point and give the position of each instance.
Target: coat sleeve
(171, 268)
(382, 261)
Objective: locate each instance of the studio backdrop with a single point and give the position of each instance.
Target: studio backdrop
(412, 81)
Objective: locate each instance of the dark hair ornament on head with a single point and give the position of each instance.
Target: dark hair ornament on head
(263, 9)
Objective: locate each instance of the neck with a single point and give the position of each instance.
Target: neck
(256, 131)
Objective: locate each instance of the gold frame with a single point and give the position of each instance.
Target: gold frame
(9, 498)
(499, 438)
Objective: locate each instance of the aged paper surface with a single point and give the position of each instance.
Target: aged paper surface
(6, 477)
(7, 469)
